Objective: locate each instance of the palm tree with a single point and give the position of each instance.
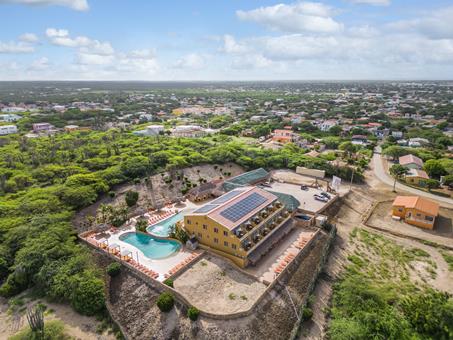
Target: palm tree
(397, 171)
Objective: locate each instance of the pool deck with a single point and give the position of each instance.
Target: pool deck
(165, 267)
(160, 266)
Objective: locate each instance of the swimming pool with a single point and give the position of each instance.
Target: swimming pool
(151, 247)
(162, 228)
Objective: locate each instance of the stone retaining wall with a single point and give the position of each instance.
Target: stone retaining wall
(325, 253)
(179, 298)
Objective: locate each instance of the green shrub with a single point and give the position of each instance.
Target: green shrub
(112, 194)
(169, 282)
(88, 297)
(131, 198)
(53, 330)
(165, 302)
(113, 269)
(193, 313)
(307, 313)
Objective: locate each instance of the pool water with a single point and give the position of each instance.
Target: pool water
(162, 228)
(151, 247)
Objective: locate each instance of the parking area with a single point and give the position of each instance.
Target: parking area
(305, 197)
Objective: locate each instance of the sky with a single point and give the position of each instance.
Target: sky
(226, 40)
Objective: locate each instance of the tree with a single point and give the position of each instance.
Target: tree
(131, 198)
(434, 168)
(397, 171)
(432, 184)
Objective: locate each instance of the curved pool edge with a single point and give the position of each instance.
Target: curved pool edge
(180, 248)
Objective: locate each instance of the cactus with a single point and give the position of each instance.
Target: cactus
(35, 317)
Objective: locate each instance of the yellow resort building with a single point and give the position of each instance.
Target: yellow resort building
(242, 225)
(416, 210)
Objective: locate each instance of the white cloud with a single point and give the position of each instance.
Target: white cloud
(94, 59)
(61, 37)
(78, 5)
(435, 24)
(251, 61)
(297, 17)
(39, 64)
(371, 2)
(231, 46)
(29, 38)
(15, 47)
(192, 61)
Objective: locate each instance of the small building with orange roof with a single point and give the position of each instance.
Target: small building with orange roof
(285, 135)
(416, 210)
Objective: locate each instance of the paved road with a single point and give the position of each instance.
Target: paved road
(381, 173)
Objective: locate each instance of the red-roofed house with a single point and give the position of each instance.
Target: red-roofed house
(411, 162)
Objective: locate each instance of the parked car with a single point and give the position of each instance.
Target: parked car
(325, 194)
(265, 184)
(304, 187)
(320, 198)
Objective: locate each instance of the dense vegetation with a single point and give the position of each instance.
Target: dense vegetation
(44, 180)
(376, 298)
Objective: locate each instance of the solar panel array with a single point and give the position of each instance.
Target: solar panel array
(226, 197)
(206, 208)
(243, 207)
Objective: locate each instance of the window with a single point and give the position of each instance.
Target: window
(233, 246)
(400, 209)
(418, 215)
(189, 222)
(216, 240)
(225, 243)
(216, 230)
(429, 218)
(205, 227)
(225, 233)
(199, 235)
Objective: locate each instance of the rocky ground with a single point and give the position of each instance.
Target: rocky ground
(158, 189)
(134, 307)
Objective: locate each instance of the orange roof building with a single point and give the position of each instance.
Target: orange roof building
(411, 162)
(416, 210)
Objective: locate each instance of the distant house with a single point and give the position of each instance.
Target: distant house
(417, 142)
(39, 127)
(328, 124)
(8, 129)
(411, 162)
(189, 131)
(9, 117)
(416, 210)
(397, 134)
(359, 140)
(417, 177)
(285, 136)
(151, 130)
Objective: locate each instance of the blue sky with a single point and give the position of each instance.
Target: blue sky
(225, 40)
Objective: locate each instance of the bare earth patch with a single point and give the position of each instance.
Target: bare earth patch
(215, 286)
(442, 232)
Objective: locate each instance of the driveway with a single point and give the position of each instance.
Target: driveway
(380, 172)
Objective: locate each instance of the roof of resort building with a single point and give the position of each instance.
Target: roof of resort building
(410, 159)
(417, 202)
(237, 206)
(249, 177)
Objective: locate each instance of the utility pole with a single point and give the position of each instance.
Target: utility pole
(352, 178)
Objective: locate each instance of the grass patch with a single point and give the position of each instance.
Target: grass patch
(232, 296)
(375, 299)
(448, 257)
